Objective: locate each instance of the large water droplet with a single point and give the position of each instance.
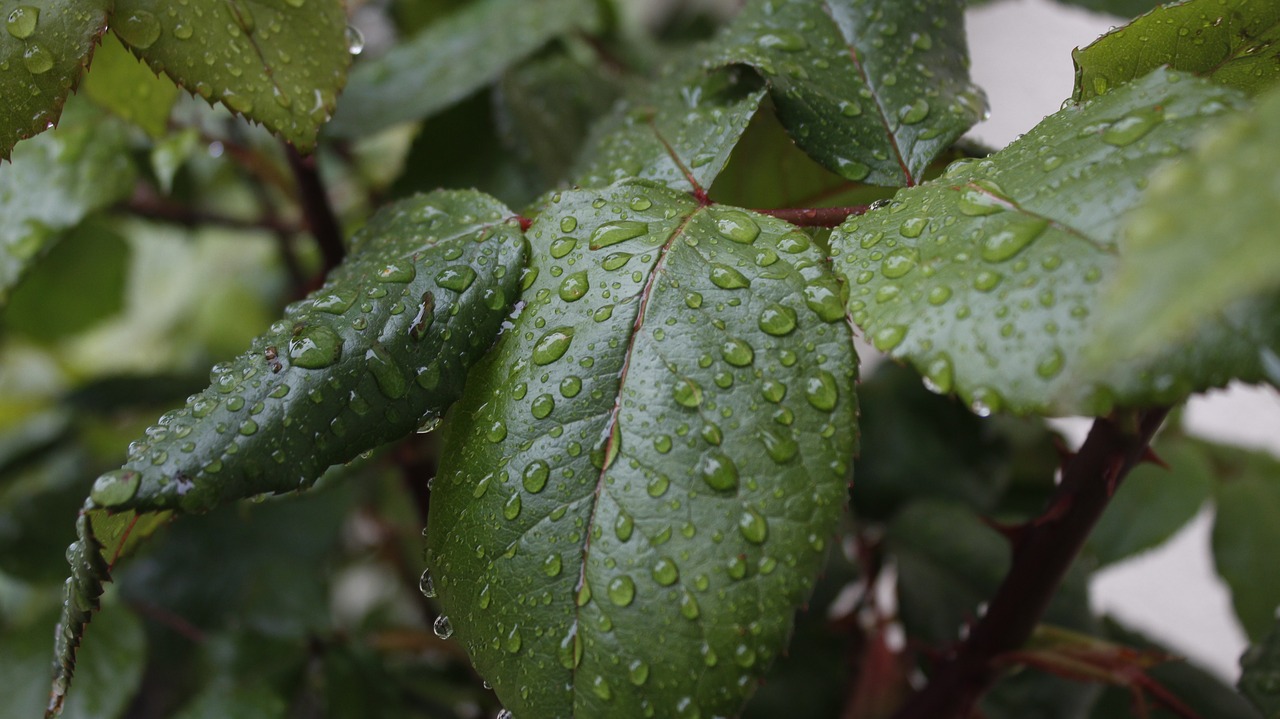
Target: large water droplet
(777, 320)
(355, 40)
(718, 471)
(824, 300)
(514, 640)
(116, 487)
(551, 565)
(780, 447)
(915, 112)
(573, 287)
(737, 353)
(1131, 128)
(1050, 365)
(887, 338)
(386, 373)
(753, 526)
(725, 277)
(562, 246)
(638, 672)
(623, 526)
(1012, 238)
(138, 28)
(899, 262)
(665, 572)
(736, 225)
(981, 198)
(552, 345)
(457, 278)
(511, 509)
(612, 233)
(37, 59)
(622, 590)
(314, 347)
(442, 627)
(336, 302)
(687, 393)
(939, 375)
(600, 687)
(535, 476)
(22, 22)
(821, 391)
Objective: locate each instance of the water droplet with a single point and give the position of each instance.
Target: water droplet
(551, 565)
(850, 109)
(314, 347)
(612, 233)
(985, 401)
(753, 526)
(573, 287)
(979, 199)
(542, 406)
(737, 353)
(552, 346)
(425, 317)
(457, 278)
(1050, 365)
(782, 40)
(496, 432)
(600, 687)
(939, 375)
(736, 225)
(689, 606)
(913, 227)
(37, 60)
(777, 320)
(386, 373)
(426, 585)
(514, 640)
(1012, 238)
(824, 300)
(986, 280)
(725, 277)
(718, 471)
(22, 22)
(511, 509)
(355, 40)
(616, 261)
(535, 476)
(138, 28)
(571, 648)
(562, 246)
(638, 672)
(665, 572)
(397, 272)
(887, 338)
(915, 112)
(1131, 128)
(821, 391)
(899, 262)
(442, 627)
(780, 447)
(640, 204)
(568, 223)
(744, 656)
(336, 302)
(623, 526)
(687, 393)
(662, 443)
(116, 487)
(622, 590)
(939, 295)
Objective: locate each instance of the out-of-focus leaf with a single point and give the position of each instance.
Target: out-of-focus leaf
(1030, 694)
(1119, 8)
(79, 282)
(1202, 242)
(988, 279)
(686, 119)
(453, 58)
(249, 676)
(37, 503)
(277, 62)
(1233, 42)
(128, 88)
(1153, 503)
(1260, 673)
(873, 90)
(46, 47)
(1245, 533)
(53, 182)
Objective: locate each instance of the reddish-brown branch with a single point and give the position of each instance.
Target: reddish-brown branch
(1041, 556)
(145, 203)
(816, 216)
(316, 208)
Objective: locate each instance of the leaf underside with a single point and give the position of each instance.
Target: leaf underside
(872, 90)
(988, 278)
(640, 480)
(277, 62)
(383, 347)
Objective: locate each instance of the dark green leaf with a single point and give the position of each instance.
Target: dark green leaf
(873, 90)
(277, 62)
(1245, 533)
(453, 58)
(1031, 694)
(53, 182)
(1182, 266)
(47, 45)
(1260, 673)
(128, 88)
(1233, 42)
(988, 278)
(640, 481)
(686, 120)
(36, 503)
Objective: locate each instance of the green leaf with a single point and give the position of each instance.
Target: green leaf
(685, 120)
(1260, 673)
(1153, 503)
(428, 282)
(36, 498)
(1182, 267)
(1233, 42)
(872, 90)
(1245, 533)
(126, 87)
(1119, 8)
(53, 182)
(453, 58)
(42, 56)
(277, 62)
(988, 279)
(638, 486)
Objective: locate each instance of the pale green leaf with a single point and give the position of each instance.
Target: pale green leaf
(873, 90)
(43, 53)
(641, 480)
(988, 279)
(277, 62)
(129, 89)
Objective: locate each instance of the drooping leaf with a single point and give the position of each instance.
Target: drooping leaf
(686, 119)
(47, 45)
(277, 62)
(453, 58)
(1245, 531)
(988, 279)
(127, 87)
(1233, 42)
(53, 182)
(640, 480)
(378, 350)
(1260, 673)
(1183, 265)
(873, 90)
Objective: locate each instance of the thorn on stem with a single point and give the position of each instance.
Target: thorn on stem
(1150, 456)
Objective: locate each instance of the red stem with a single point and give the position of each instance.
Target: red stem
(817, 216)
(321, 220)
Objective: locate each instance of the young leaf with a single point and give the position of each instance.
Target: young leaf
(1245, 533)
(377, 351)
(453, 58)
(682, 125)
(280, 63)
(639, 483)
(1260, 673)
(988, 278)
(873, 90)
(1181, 266)
(47, 45)
(1233, 42)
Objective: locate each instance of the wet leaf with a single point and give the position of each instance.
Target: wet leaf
(1245, 533)
(277, 62)
(127, 87)
(687, 119)
(453, 58)
(1233, 42)
(988, 279)
(872, 90)
(366, 359)
(642, 478)
(46, 46)
(1260, 673)
(1183, 267)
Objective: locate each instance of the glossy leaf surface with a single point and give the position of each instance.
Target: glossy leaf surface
(277, 62)
(873, 90)
(641, 480)
(46, 46)
(453, 58)
(988, 278)
(1233, 42)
